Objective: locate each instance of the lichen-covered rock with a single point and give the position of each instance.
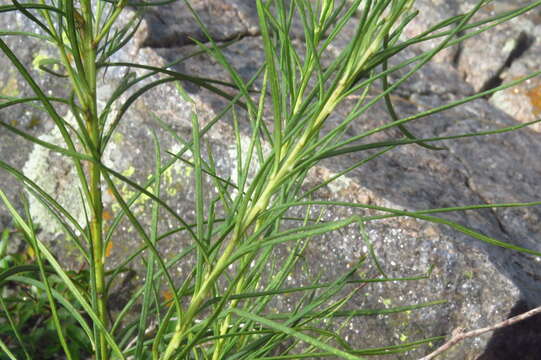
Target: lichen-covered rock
(15, 150)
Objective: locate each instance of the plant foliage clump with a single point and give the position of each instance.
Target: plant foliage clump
(222, 308)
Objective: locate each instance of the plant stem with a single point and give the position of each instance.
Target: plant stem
(259, 206)
(91, 117)
(97, 249)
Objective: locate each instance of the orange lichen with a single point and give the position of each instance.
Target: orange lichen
(106, 215)
(168, 297)
(109, 248)
(535, 99)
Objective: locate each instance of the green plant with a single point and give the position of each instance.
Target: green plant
(28, 314)
(221, 309)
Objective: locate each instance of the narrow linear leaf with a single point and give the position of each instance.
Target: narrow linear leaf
(289, 331)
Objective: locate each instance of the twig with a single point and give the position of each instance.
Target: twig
(458, 334)
(150, 329)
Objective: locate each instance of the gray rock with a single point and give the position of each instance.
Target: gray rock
(483, 58)
(174, 24)
(14, 150)
(439, 10)
(523, 102)
(486, 56)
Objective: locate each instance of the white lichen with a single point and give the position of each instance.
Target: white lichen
(56, 175)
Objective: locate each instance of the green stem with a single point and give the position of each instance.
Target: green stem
(110, 21)
(97, 251)
(259, 206)
(238, 289)
(91, 117)
(286, 162)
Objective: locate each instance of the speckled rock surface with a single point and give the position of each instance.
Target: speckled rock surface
(486, 56)
(481, 283)
(523, 102)
(482, 59)
(174, 24)
(440, 10)
(29, 51)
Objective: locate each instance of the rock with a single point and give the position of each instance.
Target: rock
(15, 150)
(523, 102)
(486, 56)
(173, 25)
(483, 58)
(440, 10)
(481, 283)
